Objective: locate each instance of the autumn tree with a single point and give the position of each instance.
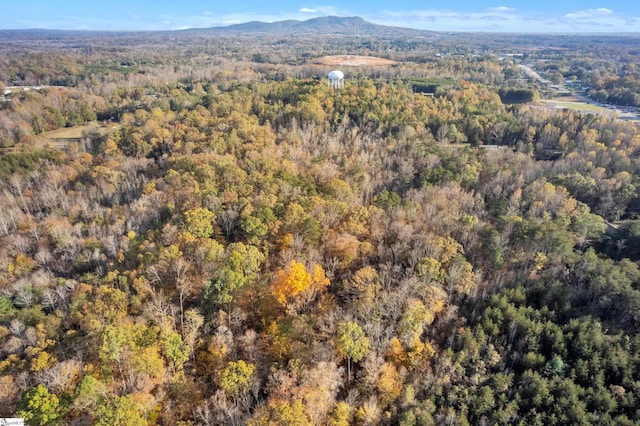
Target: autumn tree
(294, 286)
(40, 407)
(351, 343)
(120, 411)
(199, 222)
(135, 355)
(236, 380)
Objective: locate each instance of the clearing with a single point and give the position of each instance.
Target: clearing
(351, 60)
(68, 136)
(580, 104)
(575, 103)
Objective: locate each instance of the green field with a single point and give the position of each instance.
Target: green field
(576, 105)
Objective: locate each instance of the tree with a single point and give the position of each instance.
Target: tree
(135, 352)
(484, 401)
(235, 379)
(389, 383)
(289, 282)
(39, 407)
(342, 415)
(199, 222)
(193, 322)
(369, 413)
(280, 413)
(352, 343)
(254, 228)
(460, 277)
(295, 282)
(241, 268)
(88, 393)
(415, 317)
(222, 289)
(120, 411)
(175, 350)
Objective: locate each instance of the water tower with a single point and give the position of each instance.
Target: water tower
(336, 79)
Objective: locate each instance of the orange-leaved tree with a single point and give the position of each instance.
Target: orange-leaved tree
(294, 286)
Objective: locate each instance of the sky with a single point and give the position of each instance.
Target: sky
(558, 16)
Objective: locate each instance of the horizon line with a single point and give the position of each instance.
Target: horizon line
(441, 31)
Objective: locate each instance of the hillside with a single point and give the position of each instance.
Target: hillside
(234, 242)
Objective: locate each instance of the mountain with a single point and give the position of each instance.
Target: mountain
(323, 25)
(349, 26)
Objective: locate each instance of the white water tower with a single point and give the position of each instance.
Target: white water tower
(336, 79)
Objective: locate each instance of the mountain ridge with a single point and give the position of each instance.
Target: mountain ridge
(352, 25)
(323, 25)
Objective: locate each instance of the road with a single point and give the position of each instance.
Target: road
(532, 74)
(630, 113)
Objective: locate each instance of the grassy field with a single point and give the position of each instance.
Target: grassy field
(62, 137)
(577, 104)
(76, 132)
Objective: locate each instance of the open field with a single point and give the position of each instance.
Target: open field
(574, 103)
(580, 104)
(62, 138)
(76, 132)
(351, 60)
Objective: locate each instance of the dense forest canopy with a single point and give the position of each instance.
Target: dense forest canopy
(245, 245)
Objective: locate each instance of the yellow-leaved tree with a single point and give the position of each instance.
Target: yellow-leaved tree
(294, 286)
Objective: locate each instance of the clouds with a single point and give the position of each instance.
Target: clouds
(498, 18)
(599, 19)
(501, 9)
(209, 18)
(324, 11)
(589, 13)
(508, 19)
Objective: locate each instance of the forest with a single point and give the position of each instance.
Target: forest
(246, 245)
